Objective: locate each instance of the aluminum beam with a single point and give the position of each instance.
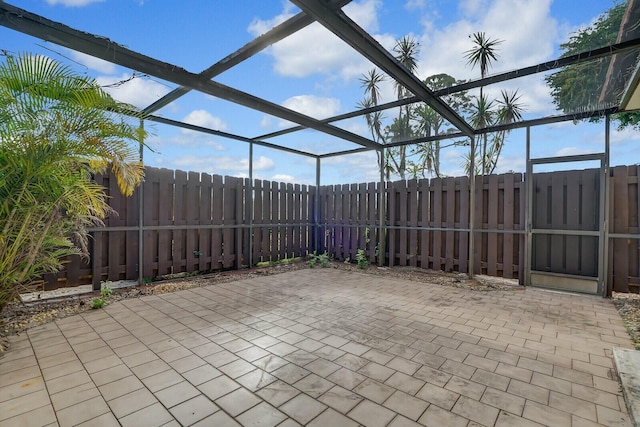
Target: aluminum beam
(189, 126)
(103, 48)
(272, 36)
(497, 78)
(342, 26)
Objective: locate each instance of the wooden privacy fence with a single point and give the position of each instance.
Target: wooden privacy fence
(193, 223)
(199, 223)
(427, 223)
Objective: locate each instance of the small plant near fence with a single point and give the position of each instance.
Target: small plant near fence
(105, 296)
(322, 259)
(361, 259)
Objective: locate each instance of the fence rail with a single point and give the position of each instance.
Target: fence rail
(200, 222)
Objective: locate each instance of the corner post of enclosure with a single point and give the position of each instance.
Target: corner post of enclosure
(603, 268)
(249, 200)
(528, 212)
(316, 209)
(472, 204)
(141, 211)
(381, 211)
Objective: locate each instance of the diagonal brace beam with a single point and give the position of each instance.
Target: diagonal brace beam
(335, 20)
(272, 36)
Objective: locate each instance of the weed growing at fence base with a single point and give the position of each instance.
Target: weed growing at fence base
(105, 296)
(322, 259)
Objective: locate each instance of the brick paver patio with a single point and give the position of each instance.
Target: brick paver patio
(322, 347)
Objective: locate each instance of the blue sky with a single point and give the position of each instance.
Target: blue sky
(316, 74)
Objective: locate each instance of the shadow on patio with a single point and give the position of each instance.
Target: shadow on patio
(322, 347)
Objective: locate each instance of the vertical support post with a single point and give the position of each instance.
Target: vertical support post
(141, 212)
(249, 201)
(381, 211)
(603, 267)
(472, 204)
(528, 213)
(316, 209)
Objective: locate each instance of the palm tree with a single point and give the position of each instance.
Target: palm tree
(430, 123)
(371, 82)
(56, 130)
(482, 53)
(406, 50)
(509, 111)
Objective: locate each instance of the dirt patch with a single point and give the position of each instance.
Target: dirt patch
(628, 306)
(18, 317)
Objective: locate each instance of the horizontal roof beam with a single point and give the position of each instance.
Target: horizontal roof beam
(227, 135)
(497, 78)
(506, 127)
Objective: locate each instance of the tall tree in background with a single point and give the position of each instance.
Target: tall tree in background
(430, 123)
(56, 129)
(406, 50)
(579, 87)
(483, 52)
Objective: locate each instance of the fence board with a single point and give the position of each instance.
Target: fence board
(296, 219)
(621, 225)
(373, 220)
(437, 207)
(450, 216)
(413, 222)
(192, 209)
(401, 221)
(509, 211)
(392, 234)
(217, 215)
(492, 224)
(424, 222)
(477, 237)
(463, 253)
(165, 206)
(204, 215)
(572, 218)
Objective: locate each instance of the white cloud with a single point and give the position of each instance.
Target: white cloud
(92, 62)
(571, 151)
(415, 4)
(315, 50)
(353, 168)
(221, 165)
(204, 119)
(266, 123)
(191, 139)
(284, 178)
(139, 91)
(72, 3)
(257, 27)
(443, 49)
(313, 106)
(496, 18)
(621, 137)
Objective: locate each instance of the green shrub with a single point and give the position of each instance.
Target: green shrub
(361, 259)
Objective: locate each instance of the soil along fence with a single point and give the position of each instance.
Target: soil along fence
(200, 223)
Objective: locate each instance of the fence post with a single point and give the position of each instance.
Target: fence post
(528, 206)
(381, 212)
(249, 207)
(472, 203)
(316, 210)
(604, 211)
(141, 214)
